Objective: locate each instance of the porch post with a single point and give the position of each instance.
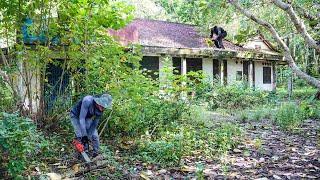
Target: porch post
(184, 65)
(274, 77)
(250, 74)
(184, 94)
(221, 72)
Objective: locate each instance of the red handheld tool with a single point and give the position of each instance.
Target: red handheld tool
(80, 148)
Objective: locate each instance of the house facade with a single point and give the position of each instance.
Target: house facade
(187, 50)
(165, 44)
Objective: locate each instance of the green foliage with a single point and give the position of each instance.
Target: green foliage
(311, 109)
(6, 97)
(232, 97)
(189, 140)
(289, 116)
(226, 137)
(148, 114)
(257, 113)
(167, 152)
(20, 141)
(199, 172)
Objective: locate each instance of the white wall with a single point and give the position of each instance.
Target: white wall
(207, 67)
(256, 41)
(259, 77)
(232, 68)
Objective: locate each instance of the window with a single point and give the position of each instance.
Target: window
(176, 62)
(246, 70)
(239, 76)
(216, 68)
(266, 75)
(194, 64)
(150, 64)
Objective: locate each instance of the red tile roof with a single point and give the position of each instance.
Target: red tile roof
(164, 34)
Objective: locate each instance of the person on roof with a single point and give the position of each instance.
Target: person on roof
(85, 117)
(221, 34)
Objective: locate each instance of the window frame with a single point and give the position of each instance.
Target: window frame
(238, 75)
(269, 79)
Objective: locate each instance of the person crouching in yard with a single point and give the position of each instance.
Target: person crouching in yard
(85, 117)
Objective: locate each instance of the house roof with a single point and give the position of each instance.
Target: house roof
(164, 34)
(266, 42)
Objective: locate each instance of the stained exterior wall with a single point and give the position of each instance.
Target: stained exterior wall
(258, 44)
(233, 66)
(259, 77)
(207, 66)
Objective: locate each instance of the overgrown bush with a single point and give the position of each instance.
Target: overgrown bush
(256, 113)
(235, 97)
(166, 151)
(311, 109)
(289, 116)
(298, 93)
(6, 97)
(226, 137)
(149, 114)
(189, 140)
(20, 143)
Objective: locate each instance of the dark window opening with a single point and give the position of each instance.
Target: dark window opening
(176, 63)
(57, 86)
(194, 64)
(246, 70)
(266, 75)
(239, 76)
(150, 65)
(216, 68)
(225, 72)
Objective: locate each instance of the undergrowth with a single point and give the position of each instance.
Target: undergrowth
(21, 144)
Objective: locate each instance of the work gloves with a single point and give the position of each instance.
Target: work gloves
(85, 142)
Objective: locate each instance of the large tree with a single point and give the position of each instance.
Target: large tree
(283, 18)
(299, 26)
(71, 34)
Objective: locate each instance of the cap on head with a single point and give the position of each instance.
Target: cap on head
(104, 100)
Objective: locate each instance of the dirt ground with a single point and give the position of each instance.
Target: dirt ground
(266, 153)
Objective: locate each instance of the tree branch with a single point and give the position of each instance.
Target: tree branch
(306, 14)
(287, 54)
(298, 23)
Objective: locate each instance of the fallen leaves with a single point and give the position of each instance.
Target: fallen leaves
(267, 153)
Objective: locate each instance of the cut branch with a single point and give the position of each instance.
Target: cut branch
(298, 23)
(287, 54)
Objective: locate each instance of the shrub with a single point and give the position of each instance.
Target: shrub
(6, 102)
(311, 109)
(20, 141)
(226, 137)
(166, 152)
(151, 114)
(289, 116)
(235, 97)
(189, 140)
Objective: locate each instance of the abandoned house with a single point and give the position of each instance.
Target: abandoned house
(161, 41)
(188, 51)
